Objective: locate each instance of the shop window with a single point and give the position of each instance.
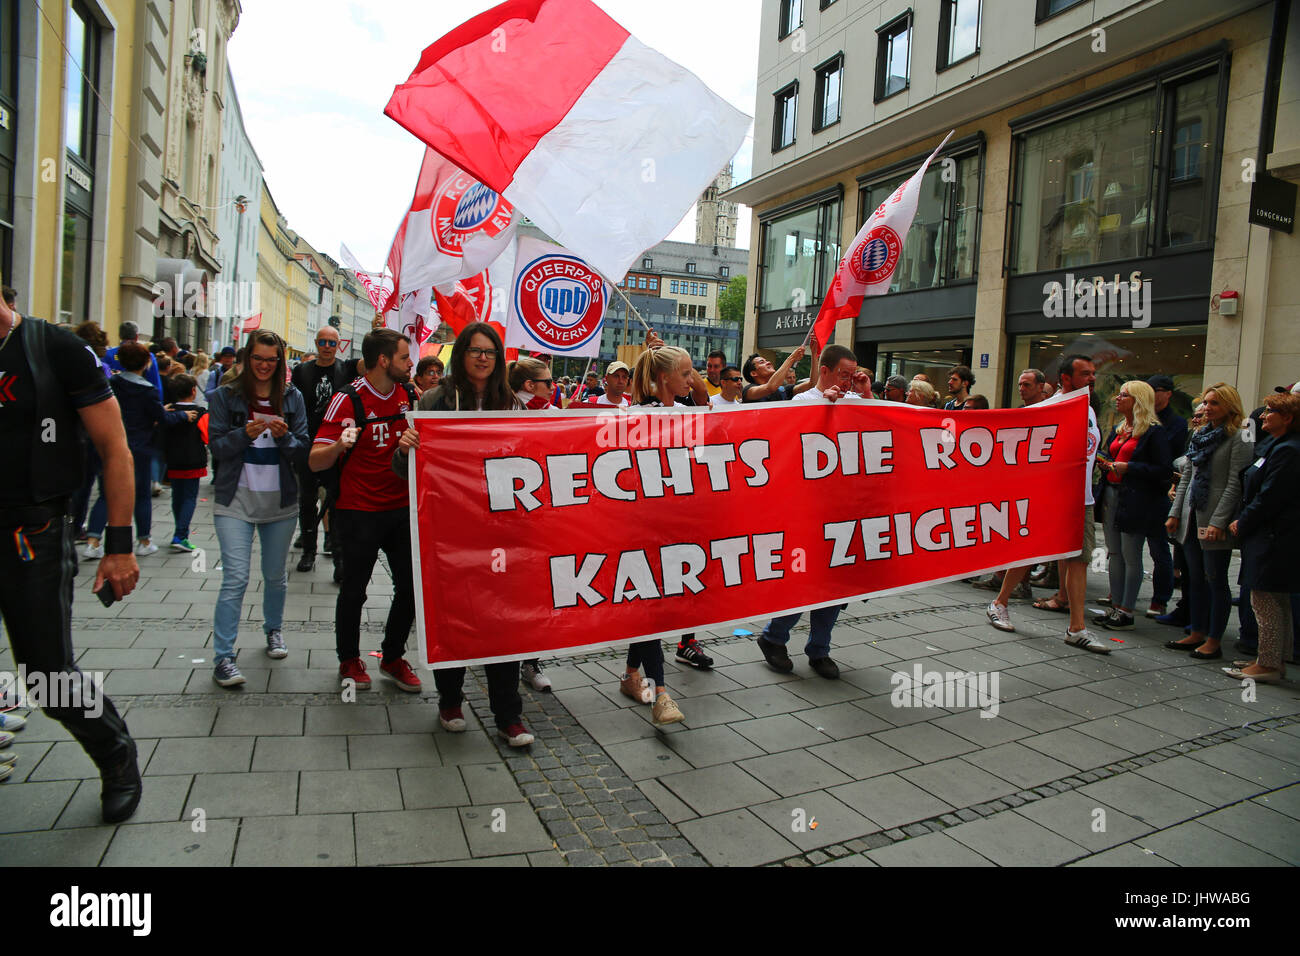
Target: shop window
(894, 46)
(940, 248)
(800, 251)
(1122, 355)
(959, 31)
(1091, 187)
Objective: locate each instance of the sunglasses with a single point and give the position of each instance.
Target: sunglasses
(326, 344)
(734, 378)
(547, 381)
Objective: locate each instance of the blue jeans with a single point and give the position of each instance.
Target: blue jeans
(821, 622)
(185, 495)
(1162, 567)
(1208, 595)
(236, 538)
(143, 500)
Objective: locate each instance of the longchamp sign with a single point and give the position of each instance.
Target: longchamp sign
(541, 533)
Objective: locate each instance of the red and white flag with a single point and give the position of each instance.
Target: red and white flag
(480, 298)
(601, 141)
(869, 264)
(378, 286)
(456, 227)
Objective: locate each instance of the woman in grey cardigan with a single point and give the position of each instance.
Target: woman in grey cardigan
(1206, 502)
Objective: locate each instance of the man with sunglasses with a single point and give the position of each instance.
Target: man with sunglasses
(730, 383)
(318, 381)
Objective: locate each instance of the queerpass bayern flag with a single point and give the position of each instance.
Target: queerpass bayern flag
(556, 301)
(456, 227)
(868, 266)
(558, 531)
(601, 141)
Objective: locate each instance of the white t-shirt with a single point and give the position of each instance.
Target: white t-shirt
(603, 399)
(717, 401)
(1094, 442)
(815, 394)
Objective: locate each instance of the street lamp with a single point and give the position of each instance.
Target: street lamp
(241, 203)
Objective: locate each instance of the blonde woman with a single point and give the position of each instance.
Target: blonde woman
(921, 393)
(1204, 506)
(530, 380)
(1138, 467)
(662, 379)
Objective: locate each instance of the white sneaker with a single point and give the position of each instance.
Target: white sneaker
(8, 758)
(93, 552)
(12, 722)
(998, 617)
(143, 549)
(5, 770)
(1085, 640)
(6, 739)
(531, 672)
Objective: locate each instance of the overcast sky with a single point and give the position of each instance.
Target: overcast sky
(313, 79)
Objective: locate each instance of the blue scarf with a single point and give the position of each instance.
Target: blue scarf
(1200, 449)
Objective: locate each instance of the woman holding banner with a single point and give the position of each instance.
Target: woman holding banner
(475, 381)
(662, 379)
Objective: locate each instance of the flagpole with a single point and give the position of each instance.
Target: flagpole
(630, 306)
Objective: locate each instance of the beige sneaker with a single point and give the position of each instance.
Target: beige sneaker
(665, 710)
(638, 688)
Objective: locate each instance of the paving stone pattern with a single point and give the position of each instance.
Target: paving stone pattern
(1142, 757)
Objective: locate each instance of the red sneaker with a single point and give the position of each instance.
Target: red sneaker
(356, 671)
(401, 674)
(452, 720)
(516, 735)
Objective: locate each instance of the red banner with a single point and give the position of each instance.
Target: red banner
(549, 532)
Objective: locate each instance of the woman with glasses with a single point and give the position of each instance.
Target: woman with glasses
(474, 381)
(1269, 525)
(1204, 505)
(257, 430)
(1137, 466)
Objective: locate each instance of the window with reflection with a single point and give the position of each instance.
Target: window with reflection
(799, 255)
(940, 248)
(1122, 181)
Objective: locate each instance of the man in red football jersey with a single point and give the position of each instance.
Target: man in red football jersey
(362, 426)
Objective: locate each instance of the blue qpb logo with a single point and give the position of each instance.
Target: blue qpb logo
(564, 298)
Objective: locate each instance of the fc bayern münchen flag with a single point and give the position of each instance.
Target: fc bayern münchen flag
(868, 267)
(557, 301)
(455, 228)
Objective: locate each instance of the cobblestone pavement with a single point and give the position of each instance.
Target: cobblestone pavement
(1140, 758)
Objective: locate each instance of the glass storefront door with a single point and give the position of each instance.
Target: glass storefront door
(1121, 355)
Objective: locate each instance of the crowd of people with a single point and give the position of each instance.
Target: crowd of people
(325, 446)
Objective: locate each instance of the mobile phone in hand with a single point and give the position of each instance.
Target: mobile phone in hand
(107, 596)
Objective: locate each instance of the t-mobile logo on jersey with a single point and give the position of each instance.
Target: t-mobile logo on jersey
(380, 430)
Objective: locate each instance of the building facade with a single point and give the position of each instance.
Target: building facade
(189, 195)
(66, 159)
(239, 201)
(1094, 197)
